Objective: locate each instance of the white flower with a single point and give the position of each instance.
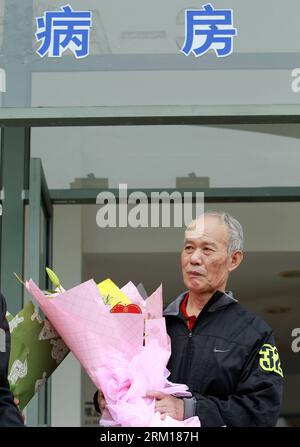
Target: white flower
(18, 370)
(36, 316)
(47, 332)
(59, 350)
(15, 322)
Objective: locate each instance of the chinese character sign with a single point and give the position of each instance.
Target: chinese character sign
(208, 28)
(62, 30)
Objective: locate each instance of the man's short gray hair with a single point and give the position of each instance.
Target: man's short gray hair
(235, 230)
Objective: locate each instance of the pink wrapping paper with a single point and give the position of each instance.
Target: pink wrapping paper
(111, 348)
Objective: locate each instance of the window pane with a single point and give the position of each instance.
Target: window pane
(169, 156)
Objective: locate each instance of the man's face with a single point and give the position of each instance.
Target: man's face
(204, 260)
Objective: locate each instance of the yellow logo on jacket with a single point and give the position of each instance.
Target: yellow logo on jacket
(269, 359)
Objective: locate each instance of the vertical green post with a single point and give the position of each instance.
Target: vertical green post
(15, 148)
(40, 255)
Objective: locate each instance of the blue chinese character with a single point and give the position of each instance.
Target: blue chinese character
(207, 29)
(64, 30)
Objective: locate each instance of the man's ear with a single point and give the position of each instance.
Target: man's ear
(235, 259)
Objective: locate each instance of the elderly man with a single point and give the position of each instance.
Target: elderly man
(225, 354)
(9, 413)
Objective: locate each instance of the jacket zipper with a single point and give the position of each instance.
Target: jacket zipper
(190, 337)
(189, 349)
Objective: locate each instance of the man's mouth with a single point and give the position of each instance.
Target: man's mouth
(194, 273)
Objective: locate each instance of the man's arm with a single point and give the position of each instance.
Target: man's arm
(9, 413)
(258, 395)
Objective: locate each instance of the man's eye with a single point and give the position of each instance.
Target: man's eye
(188, 247)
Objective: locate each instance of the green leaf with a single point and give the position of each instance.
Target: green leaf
(53, 278)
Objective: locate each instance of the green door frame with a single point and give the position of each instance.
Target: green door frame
(39, 408)
(264, 194)
(148, 115)
(15, 150)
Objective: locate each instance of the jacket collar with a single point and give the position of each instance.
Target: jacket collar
(217, 301)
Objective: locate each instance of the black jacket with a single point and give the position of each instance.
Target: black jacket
(9, 414)
(229, 361)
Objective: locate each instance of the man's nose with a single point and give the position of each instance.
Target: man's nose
(196, 257)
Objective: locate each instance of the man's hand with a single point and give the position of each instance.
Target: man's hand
(101, 401)
(168, 405)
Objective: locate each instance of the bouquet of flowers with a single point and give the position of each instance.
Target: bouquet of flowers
(120, 339)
